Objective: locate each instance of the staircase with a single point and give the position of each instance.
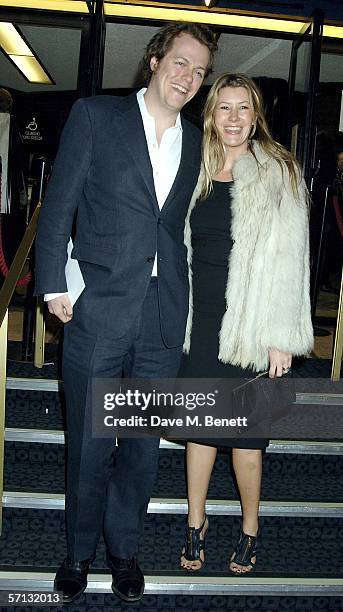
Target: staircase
(300, 565)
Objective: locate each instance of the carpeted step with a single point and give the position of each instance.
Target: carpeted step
(45, 409)
(310, 547)
(100, 602)
(26, 369)
(34, 409)
(106, 602)
(40, 467)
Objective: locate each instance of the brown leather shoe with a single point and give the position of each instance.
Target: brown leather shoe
(71, 578)
(127, 578)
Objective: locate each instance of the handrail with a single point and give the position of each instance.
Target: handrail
(17, 265)
(5, 298)
(338, 342)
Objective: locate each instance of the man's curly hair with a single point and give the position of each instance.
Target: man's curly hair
(161, 43)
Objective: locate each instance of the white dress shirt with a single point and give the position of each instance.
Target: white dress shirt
(164, 158)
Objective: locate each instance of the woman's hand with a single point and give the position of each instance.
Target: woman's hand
(279, 362)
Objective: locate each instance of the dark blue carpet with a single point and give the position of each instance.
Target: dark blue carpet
(34, 409)
(40, 467)
(289, 546)
(98, 602)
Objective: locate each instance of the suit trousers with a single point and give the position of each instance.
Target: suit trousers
(108, 488)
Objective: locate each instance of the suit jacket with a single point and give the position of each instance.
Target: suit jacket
(267, 292)
(103, 177)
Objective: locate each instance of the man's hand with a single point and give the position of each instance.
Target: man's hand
(279, 363)
(61, 307)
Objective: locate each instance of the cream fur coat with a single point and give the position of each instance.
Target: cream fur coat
(267, 292)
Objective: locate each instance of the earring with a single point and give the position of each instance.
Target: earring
(253, 130)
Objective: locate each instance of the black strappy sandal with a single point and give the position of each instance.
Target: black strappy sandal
(194, 545)
(244, 552)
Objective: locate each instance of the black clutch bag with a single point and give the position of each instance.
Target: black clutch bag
(262, 401)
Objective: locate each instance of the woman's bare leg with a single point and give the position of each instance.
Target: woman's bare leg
(247, 464)
(200, 460)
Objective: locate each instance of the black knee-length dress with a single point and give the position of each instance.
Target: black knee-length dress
(211, 243)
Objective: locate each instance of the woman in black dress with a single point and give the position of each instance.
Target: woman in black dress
(247, 239)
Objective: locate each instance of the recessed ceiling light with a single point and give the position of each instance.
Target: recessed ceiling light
(69, 6)
(11, 41)
(31, 68)
(219, 17)
(16, 48)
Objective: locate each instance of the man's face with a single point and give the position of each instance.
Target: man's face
(179, 74)
(340, 161)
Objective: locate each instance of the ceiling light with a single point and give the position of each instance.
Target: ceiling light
(170, 12)
(11, 41)
(332, 31)
(31, 69)
(70, 6)
(21, 55)
(219, 17)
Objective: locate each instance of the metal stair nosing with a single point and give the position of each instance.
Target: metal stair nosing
(53, 384)
(301, 447)
(34, 384)
(178, 584)
(55, 501)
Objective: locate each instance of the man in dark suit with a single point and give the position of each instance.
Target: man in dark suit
(126, 169)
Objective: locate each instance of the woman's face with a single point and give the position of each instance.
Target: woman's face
(233, 117)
